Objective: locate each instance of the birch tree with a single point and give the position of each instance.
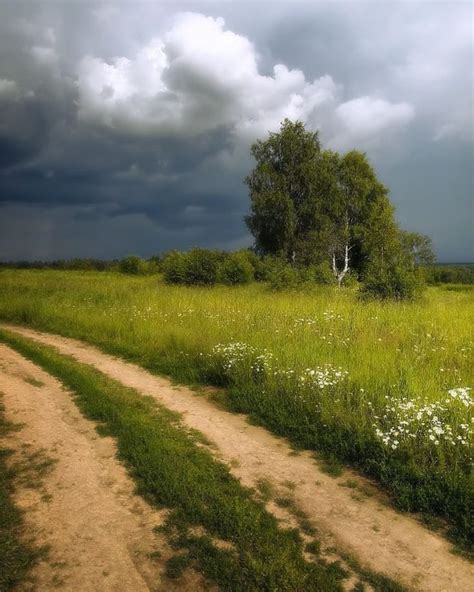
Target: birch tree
(310, 205)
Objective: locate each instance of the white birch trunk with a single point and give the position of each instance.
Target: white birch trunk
(341, 273)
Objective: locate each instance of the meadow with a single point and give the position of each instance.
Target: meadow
(384, 387)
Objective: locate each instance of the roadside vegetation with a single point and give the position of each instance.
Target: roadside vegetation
(382, 386)
(215, 524)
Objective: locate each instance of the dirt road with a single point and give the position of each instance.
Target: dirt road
(100, 535)
(379, 537)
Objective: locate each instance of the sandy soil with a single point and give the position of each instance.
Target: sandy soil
(379, 537)
(100, 535)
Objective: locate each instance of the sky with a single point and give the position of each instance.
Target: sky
(125, 127)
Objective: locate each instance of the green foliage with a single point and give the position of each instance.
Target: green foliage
(196, 267)
(174, 266)
(323, 274)
(201, 269)
(235, 269)
(206, 267)
(418, 247)
(133, 265)
(264, 267)
(392, 283)
(281, 187)
(63, 264)
(391, 271)
(285, 277)
(449, 274)
(309, 207)
(172, 470)
(308, 204)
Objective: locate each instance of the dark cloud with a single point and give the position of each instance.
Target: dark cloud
(126, 128)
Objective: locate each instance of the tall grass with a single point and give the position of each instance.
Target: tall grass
(401, 362)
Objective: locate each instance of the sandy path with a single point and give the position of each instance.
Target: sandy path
(382, 539)
(99, 533)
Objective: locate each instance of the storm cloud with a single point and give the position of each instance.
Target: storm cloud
(126, 127)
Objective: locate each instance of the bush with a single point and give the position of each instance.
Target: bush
(396, 283)
(174, 266)
(202, 267)
(264, 267)
(133, 265)
(323, 274)
(283, 276)
(235, 269)
(251, 257)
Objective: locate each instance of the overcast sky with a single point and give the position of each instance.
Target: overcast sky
(125, 127)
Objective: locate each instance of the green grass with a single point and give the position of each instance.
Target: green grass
(171, 470)
(391, 352)
(17, 551)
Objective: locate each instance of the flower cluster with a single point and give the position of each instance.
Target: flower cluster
(323, 376)
(231, 355)
(421, 421)
(462, 395)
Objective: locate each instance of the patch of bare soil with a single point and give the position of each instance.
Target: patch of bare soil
(364, 526)
(99, 533)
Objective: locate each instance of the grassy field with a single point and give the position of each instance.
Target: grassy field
(384, 387)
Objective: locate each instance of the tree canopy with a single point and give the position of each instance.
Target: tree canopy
(309, 205)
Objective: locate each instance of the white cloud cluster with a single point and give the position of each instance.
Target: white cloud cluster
(199, 77)
(367, 118)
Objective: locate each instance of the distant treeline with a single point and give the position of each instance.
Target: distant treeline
(449, 274)
(205, 266)
(64, 264)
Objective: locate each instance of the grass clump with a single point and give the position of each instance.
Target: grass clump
(171, 470)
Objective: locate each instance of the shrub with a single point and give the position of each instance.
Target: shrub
(174, 266)
(235, 269)
(264, 267)
(133, 265)
(251, 257)
(395, 283)
(201, 268)
(323, 274)
(283, 276)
